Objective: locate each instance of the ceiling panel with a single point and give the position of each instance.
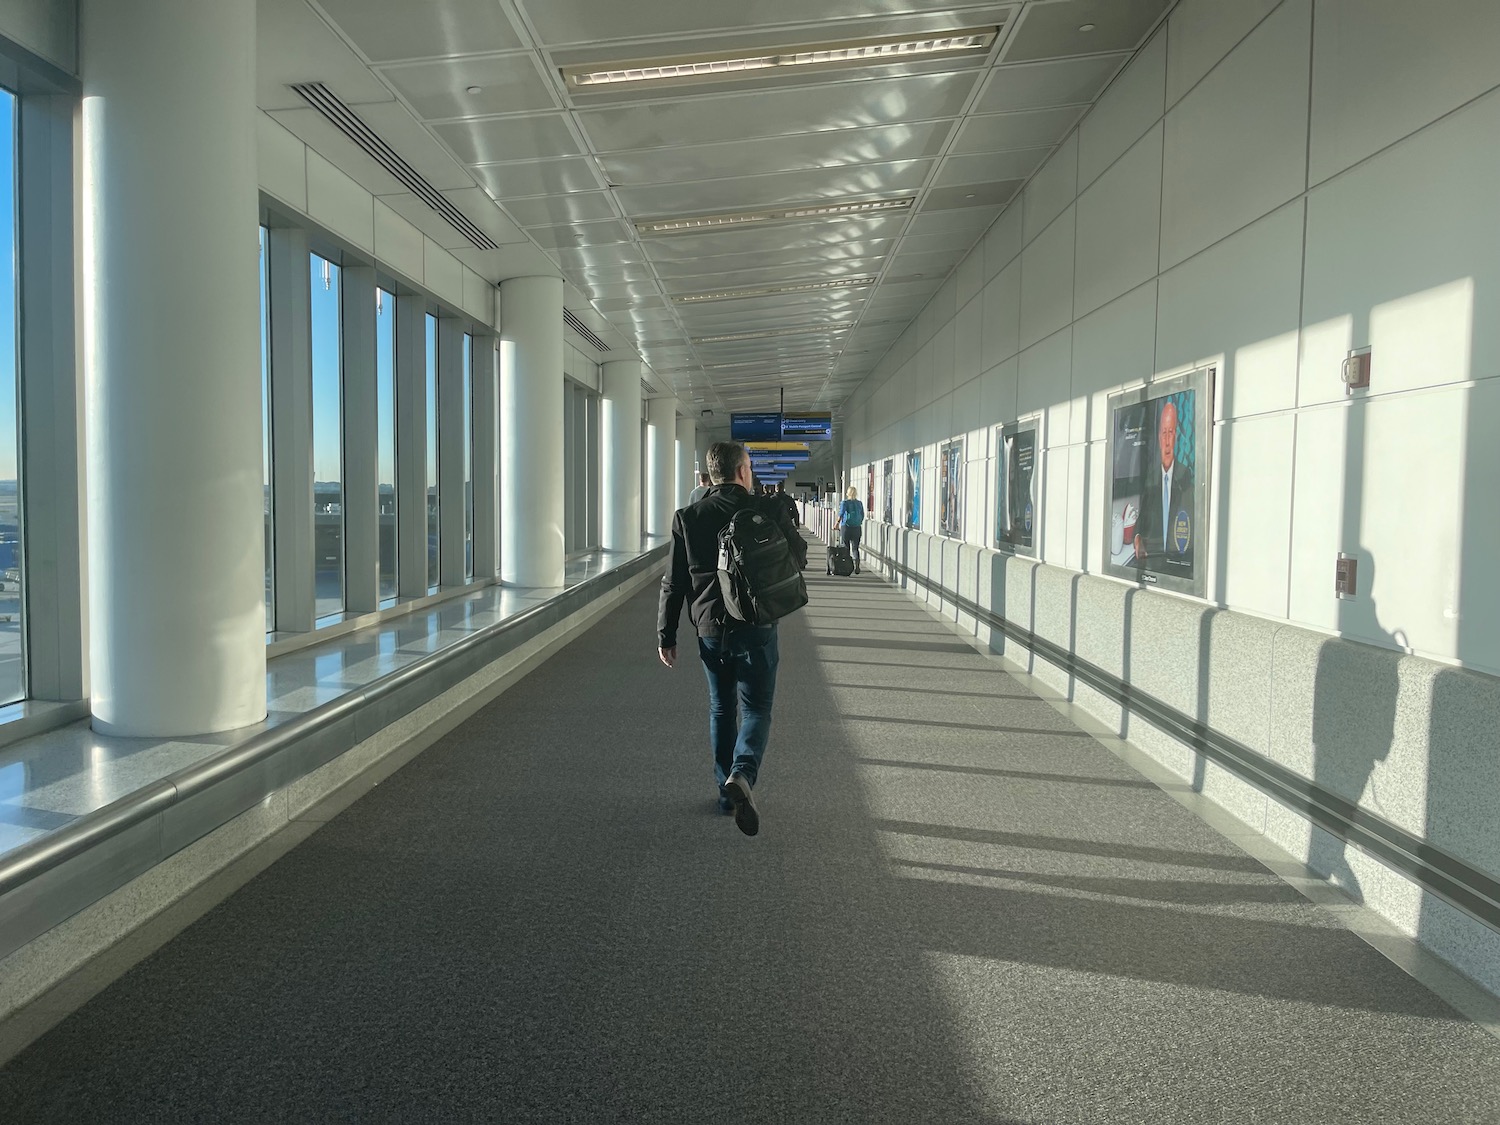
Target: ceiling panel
(812, 234)
(989, 167)
(575, 235)
(1042, 128)
(710, 119)
(438, 90)
(398, 29)
(549, 210)
(495, 139)
(863, 181)
(782, 275)
(976, 220)
(831, 149)
(971, 195)
(797, 260)
(593, 21)
(537, 177)
(1055, 30)
(1047, 84)
(295, 44)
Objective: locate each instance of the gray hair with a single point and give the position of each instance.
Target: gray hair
(724, 460)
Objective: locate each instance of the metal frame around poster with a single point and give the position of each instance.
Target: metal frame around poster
(953, 526)
(1024, 426)
(1201, 383)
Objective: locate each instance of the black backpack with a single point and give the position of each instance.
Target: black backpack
(758, 576)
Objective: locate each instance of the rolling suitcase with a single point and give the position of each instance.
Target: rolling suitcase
(840, 561)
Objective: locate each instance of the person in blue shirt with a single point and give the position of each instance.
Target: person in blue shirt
(852, 523)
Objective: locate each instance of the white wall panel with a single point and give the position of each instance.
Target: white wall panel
(1055, 516)
(940, 372)
(1236, 147)
(1047, 281)
(1044, 378)
(1003, 241)
(968, 341)
(1236, 304)
(1080, 536)
(1112, 347)
(340, 204)
(1405, 254)
(970, 275)
(281, 162)
(1001, 329)
(1119, 226)
(997, 392)
(442, 273)
(1051, 190)
(479, 302)
(48, 28)
(1133, 103)
(1253, 460)
(1201, 32)
(1385, 68)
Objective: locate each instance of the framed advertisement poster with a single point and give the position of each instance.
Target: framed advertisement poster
(889, 475)
(1016, 509)
(1159, 438)
(870, 491)
(951, 489)
(914, 489)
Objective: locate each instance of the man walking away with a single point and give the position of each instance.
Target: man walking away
(738, 659)
(699, 492)
(852, 523)
(789, 503)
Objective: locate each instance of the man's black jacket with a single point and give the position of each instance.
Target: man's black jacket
(695, 559)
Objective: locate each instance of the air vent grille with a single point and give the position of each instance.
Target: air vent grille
(584, 331)
(321, 98)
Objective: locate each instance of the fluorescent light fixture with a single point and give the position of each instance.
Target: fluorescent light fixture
(781, 214)
(850, 52)
(773, 290)
(769, 333)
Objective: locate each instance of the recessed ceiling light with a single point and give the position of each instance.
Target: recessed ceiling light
(812, 328)
(852, 52)
(772, 290)
(474, 90)
(783, 214)
(1086, 27)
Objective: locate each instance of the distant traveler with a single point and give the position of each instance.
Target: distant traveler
(789, 502)
(852, 523)
(739, 659)
(701, 491)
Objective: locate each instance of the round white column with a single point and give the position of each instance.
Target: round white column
(661, 465)
(531, 431)
(171, 348)
(687, 434)
(620, 430)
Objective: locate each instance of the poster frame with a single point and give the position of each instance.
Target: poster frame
(1201, 382)
(911, 497)
(1031, 425)
(951, 527)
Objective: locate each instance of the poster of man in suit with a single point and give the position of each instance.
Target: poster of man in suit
(889, 472)
(1015, 493)
(870, 491)
(1154, 513)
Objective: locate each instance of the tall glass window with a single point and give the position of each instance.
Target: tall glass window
(12, 554)
(265, 425)
(328, 446)
(432, 453)
(385, 392)
(468, 456)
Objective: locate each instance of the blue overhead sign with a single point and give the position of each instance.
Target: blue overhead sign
(807, 427)
(755, 427)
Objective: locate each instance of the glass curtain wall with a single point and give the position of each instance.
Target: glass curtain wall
(468, 456)
(328, 452)
(265, 426)
(385, 392)
(12, 554)
(432, 453)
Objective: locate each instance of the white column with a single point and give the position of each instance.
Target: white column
(411, 445)
(661, 436)
(531, 420)
(687, 434)
(450, 407)
(486, 459)
(620, 436)
(361, 441)
(171, 350)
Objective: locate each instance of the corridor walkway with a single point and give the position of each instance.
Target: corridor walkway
(959, 909)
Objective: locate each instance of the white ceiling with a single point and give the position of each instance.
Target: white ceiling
(559, 180)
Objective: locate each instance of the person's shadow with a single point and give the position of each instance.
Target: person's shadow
(1354, 717)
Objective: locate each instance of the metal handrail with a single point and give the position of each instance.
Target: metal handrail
(28, 861)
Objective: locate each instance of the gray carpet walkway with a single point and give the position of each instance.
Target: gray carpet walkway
(958, 909)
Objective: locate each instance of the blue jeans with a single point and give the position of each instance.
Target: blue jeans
(741, 669)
